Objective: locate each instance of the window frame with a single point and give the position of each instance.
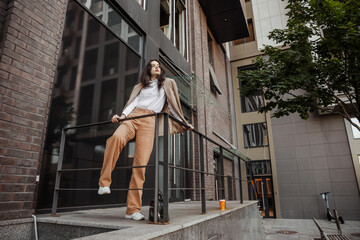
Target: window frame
(243, 97)
(182, 45)
(265, 141)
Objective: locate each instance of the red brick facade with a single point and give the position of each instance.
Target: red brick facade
(210, 115)
(30, 41)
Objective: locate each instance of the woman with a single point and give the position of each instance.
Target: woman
(153, 94)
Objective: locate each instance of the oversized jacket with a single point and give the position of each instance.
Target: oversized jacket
(171, 92)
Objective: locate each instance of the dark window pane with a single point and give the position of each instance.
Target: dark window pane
(77, 47)
(73, 77)
(210, 51)
(85, 104)
(111, 59)
(81, 20)
(90, 62)
(260, 167)
(165, 17)
(93, 32)
(250, 103)
(113, 19)
(94, 100)
(255, 135)
(107, 99)
(66, 46)
(115, 22)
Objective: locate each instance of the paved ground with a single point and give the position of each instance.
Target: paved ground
(306, 230)
(182, 215)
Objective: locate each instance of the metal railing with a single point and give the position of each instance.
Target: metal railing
(165, 163)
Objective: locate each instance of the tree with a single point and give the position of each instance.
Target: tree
(317, 63)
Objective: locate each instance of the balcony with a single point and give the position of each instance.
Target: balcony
(179, 219)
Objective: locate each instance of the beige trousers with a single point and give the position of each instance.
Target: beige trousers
(144, 130)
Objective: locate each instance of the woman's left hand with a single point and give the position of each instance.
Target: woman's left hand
(190, 127)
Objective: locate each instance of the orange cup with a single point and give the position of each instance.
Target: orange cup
(222, 204)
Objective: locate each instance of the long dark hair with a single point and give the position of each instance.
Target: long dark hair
(145, 76)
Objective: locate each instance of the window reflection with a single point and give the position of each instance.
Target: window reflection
(250, 103)
(111, 59)
(260, 167)
(255, 135)
(173, 22)
(105, 13)
(96, 73)
(90, 62)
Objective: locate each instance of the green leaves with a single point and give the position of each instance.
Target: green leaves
(319, 64)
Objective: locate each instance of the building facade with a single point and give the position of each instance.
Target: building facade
(75, 62)
(294, 160)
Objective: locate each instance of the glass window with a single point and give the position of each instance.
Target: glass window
(85, 104)
(111, 59)
(108, 100)
(180, 26)
(90, 63)
(165, 13)
(93, 32)
(213, 88)
(250, 38)
(210, 51)
(250, 103)
(255, 135)
(113, 19)
(173, 22)
(260, 167)
(355, 131)
(92, 84)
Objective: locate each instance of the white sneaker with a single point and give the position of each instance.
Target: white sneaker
(135, 216)
(104, 190)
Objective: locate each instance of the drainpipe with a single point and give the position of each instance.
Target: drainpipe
(35, 227)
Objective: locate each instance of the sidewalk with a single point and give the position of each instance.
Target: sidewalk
(306, 229)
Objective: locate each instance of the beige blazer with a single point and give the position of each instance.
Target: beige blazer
(171, 92)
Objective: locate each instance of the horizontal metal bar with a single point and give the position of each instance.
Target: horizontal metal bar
(207, 138)
(185, 188)
(198, 171)
(82, 207)
(96, 169)
(107, 122)
(93, 189)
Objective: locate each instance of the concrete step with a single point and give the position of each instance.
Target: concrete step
(238, 221)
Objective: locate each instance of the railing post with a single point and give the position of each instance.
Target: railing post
(240, 181)
(249, 167)
(58, 173)
(156, 191)
(203, 200)
(166, 169)
(222, 173)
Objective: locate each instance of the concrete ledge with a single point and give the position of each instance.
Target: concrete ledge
(17, 229)
(238, 221)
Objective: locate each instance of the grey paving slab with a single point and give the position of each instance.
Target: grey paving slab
(306, 229)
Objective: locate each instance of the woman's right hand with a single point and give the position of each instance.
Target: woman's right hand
(116, 118)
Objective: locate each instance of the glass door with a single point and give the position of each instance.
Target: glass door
(264, 194)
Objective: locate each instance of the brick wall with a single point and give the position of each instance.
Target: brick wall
(209, 116)
(30, 43)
